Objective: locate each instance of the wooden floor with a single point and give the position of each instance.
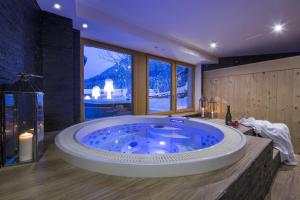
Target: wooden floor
(52, 178)
(286, 185)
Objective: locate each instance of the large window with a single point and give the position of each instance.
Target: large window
(107, 83)
(162, 78)
(159, 86)
(184, 87)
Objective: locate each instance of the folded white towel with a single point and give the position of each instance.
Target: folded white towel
(280, 135)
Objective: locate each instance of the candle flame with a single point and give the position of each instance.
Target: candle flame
(25, 135)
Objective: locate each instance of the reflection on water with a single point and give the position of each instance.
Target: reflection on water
(146, 138)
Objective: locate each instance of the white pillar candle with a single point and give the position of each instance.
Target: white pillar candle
(202, 112)
(25, 147)
(212, 114)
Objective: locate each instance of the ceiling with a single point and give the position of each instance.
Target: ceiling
(183, 29)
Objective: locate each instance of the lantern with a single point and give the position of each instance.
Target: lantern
(203, 101)
(22, 122)
(212, 106)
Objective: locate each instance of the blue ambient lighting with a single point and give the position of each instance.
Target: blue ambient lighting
(177, 120)
(153, 138)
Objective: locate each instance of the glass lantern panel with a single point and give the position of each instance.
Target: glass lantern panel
(40, 124)
(10, 129)
(26, 125)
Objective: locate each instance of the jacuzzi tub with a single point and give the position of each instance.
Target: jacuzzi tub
(150, 146)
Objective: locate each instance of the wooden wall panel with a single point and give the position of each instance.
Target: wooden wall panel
(271, 99)
(139, 85)
(284, 96)
(267, 90)
(296, 107)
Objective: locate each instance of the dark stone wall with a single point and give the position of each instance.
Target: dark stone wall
(60, 60)
(256, 181)
(33, 41)
(76, 78)
(19, 39)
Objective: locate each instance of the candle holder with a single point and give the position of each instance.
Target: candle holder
(22, 122)
(212, 106)
(203, 101)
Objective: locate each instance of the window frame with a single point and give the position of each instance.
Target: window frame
(95, 44)
(192, 109)
(150, 57)
(136, 107)
(174, 65)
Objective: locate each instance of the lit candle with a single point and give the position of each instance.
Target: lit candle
(212, 114)
(202, 112)
(31, 130)
(25, 147)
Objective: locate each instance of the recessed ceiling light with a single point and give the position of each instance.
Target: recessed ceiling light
(213, 45)
(278, 28)
(57, 6)
(85, 26)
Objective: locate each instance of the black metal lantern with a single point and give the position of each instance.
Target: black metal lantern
(22, 122)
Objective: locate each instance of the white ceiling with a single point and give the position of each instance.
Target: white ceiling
(183, 29)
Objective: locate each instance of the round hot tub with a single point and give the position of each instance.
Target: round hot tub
(150, 146)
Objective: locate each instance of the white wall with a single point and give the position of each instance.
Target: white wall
(198, 84)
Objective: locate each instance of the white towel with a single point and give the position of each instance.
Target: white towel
(280, 135)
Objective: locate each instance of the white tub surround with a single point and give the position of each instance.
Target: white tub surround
(228, 151)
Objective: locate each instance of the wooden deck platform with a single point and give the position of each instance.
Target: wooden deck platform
(52, 178)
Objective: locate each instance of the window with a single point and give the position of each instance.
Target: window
(162, 78)
(159, 86)
(184, 87)
(107, 83)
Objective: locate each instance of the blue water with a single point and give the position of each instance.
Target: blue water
(146, 138)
